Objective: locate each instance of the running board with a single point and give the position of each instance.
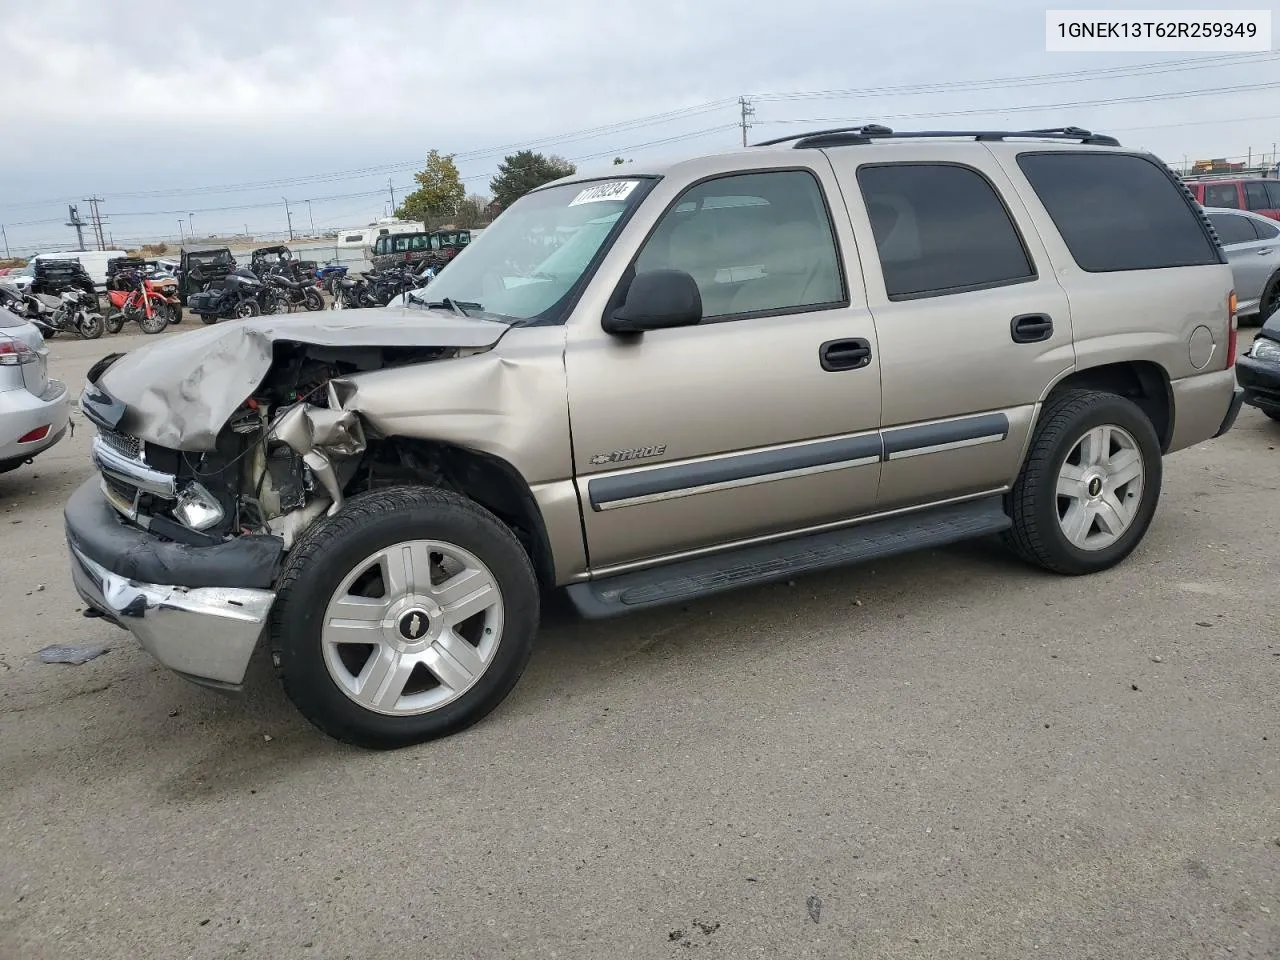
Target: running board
(784, 559)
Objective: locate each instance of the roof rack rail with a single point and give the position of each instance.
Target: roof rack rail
(842, 136)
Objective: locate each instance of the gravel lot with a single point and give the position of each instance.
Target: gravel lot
(946, 755)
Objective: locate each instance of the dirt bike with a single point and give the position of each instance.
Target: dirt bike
(135, 298)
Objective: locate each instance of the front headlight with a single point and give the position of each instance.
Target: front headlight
(198, 508)
(1265, 349)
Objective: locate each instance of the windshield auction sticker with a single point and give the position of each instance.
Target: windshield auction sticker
(599, 192)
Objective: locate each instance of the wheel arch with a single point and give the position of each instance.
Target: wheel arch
(488, 480)
(1144, 382)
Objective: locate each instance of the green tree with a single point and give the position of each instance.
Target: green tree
(521, 172)
(439, 192)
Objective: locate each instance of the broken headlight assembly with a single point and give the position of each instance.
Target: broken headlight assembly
(197, 508)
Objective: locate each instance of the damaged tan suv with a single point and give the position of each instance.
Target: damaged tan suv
(647, 389)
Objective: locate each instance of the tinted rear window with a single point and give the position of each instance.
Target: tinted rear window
(1232, 229)
(940, 229)
(1267, 231)
(1118, 211)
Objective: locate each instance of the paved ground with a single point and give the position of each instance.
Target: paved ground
(947, 755)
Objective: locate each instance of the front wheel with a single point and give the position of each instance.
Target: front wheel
(1090, 484)
(246, 309)
(408, 616)
(90, 325)
(1269, 305)
(115, 323)
(312, 300)
(157, 322)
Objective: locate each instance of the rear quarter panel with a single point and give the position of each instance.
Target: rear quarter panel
(1145, 315)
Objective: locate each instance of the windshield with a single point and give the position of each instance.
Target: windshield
(527, 262)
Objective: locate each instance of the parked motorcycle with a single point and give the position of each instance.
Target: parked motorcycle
(71, 311)
(137, 299)
(236, 296)
(327, 277)
(288, 293)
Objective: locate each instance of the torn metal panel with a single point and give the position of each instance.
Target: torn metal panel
(181, 390)
(318, 434)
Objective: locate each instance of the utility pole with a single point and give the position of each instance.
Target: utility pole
(289, 217)
(191, 226)
(96, 216)
(392, 191)
(181, 238)
(6, 242)
(311, 218)
(75, 221)
(748, 111)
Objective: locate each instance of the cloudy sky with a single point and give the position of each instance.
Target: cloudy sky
(216, 113)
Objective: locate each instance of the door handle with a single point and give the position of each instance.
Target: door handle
(851, 354)
(1031, 328)
(1267, 253)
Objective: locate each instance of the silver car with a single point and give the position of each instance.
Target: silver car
(1252, 242)
(34, 409)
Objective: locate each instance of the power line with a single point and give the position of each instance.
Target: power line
(416, 163)
(1039, 79)
(1117, 72)
(1031, 108)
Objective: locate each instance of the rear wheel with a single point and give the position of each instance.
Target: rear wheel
(408, 616)
(115, 323)
(208, 318)
(1089, 486)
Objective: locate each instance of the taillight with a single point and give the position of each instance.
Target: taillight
(1234, 323)
(14, 353)
(39, 433)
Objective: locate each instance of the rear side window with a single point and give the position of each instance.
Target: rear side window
(1118, 211)
(1222, 195)
(940, 228)
(1267, 231)
(1232, 229)
(1273, 193)
(1255, 196)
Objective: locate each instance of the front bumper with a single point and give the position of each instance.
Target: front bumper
(178, 601)
(22, 412)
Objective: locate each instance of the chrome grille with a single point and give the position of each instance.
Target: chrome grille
(122, 443)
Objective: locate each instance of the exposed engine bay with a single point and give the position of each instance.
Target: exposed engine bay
(281, 461)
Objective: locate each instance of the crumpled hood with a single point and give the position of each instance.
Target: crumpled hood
(181, 389)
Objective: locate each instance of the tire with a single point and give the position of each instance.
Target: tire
(1041, 514)
(312, 300)
(208, 318)
(175, 312)
(320, 681)
(247, 308)
(157, 322)
(115, 323)
(1273, 414)
(1270, 301)
(90, 326)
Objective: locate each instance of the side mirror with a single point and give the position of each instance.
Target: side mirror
(656, 300)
